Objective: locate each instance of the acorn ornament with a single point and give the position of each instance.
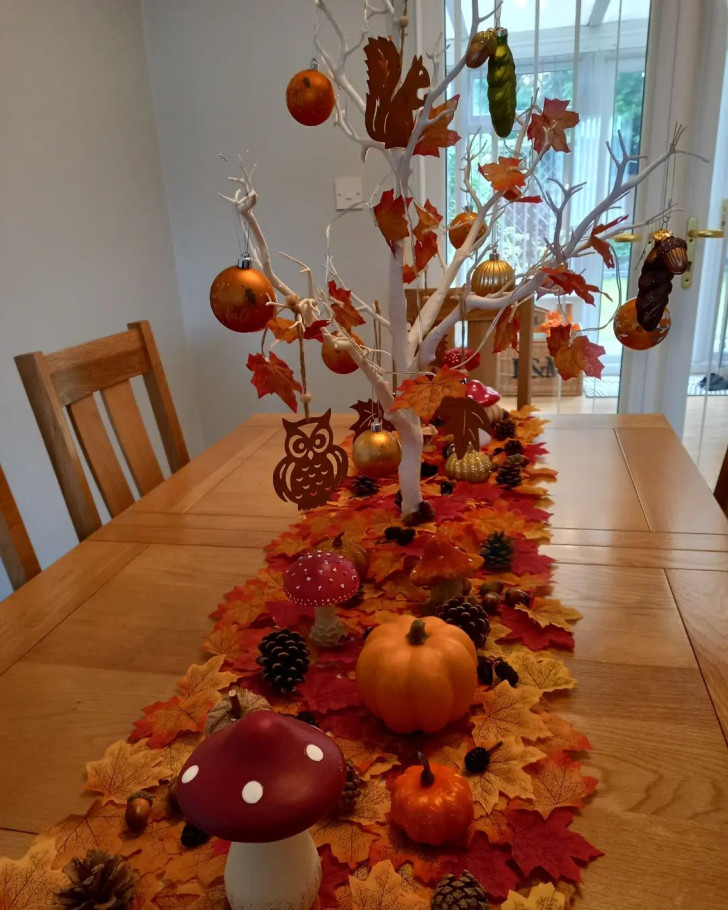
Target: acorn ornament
(376, 452)
(241, 298)
(492, 276)
(482, 46)
(667, 258)
(138, 808)
(630, 333)
(474, 466)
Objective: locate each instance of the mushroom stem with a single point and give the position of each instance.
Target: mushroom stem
(284, 873)
(417, 634)
(328, 630)
(427, 777)
(235, 705)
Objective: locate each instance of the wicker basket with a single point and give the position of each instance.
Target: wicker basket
(544, 376)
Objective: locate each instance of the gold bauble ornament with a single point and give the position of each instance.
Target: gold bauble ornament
(492, 276)
(376, 452)
(474, 467)
(241, 297)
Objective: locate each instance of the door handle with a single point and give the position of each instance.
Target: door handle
(626, 237)
(693, 233)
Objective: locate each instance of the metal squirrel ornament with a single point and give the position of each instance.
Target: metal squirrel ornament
(667, 258)
(314, 466)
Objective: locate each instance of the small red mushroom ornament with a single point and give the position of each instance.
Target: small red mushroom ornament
(322, 580)
(261, 783)
(464, 358)
(488, 398)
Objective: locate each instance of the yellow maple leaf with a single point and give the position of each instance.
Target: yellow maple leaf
(548, 611)
(349, 843)
(223, 640)
(372, 804)
(214, 897)
(540, 897)
(124, 769)
(507, 712)
(384, 889)
(200, 864)
(544, 673)
(99, 829)
(504, 774)
(205, 678)
(155, 847)
(242, 613)
(558, 781)
(176, 753)
(29, 883)
(363, 757)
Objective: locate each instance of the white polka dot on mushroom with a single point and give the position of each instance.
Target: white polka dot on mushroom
(315, 753)
(252, 792)
(190, 774)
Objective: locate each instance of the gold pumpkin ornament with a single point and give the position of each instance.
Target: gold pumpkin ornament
(376, 452)
(492, 276)
(474, 467)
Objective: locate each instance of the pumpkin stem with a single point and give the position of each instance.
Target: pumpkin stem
(417, 634)
(427, 777)
(339, 540)
(235, 705)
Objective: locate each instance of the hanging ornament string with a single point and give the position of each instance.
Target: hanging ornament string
(403, 23)
(670, 172)
(304, 396)
(377, 352)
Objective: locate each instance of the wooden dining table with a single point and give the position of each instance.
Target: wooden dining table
(641, 549)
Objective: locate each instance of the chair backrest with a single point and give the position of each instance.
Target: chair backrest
(721, 487)
(68, 379)
(16, 550)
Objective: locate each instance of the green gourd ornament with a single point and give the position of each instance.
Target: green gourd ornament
(502, 86)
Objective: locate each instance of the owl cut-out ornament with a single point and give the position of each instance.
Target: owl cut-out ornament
(314, 466)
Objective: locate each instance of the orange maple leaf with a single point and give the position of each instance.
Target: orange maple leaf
(273, 376)
(424, 251)
(206, 678)
(564, 281)
(283, 329)
(507, 712)
(29, 883)
(391, 217)
(504, 774)
(124, 769)
(442, 560)
(574, 355)
(384, 889)
(436, 136)
(164, 720)
(349, 842)
(555, 317)
(429, 218)
(601, 246)
(424, 394)
(505, 175)
(558, 781)
(546, 130)
(99, 829)
(506, 331)
(384, 562)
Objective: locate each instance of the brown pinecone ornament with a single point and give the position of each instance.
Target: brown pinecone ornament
(505, 428)
(468, 615)
(350, 793)
(99, 881)
(509, 474)
(497, 552)
(513, 447)
(461, 893)
(284, 659)
(364, 486)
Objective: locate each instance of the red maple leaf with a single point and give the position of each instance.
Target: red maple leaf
(391, 217)
(507, 328)
(573, 355)
(546, 130)
(448, 508)
(314, 330)
(601, 246)
(286, 614)
(429, 218)
(527, 559)
(436, 136)
(165, 720)
(532, 635)
(490, 865)
(549, 845)
(246, 661)
(408, 274)
(273, 376)
(334, 875)
(564, 281)
(425, 249)
(343, 295)
(324, 691)
(344, 657)
(504, 176)
(344, 312)
(429, 864)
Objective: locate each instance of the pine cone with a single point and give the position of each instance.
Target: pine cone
(505, 672)
(364, 486)
(509, 474)
(468, 615)
(350, 793)
(461, 893)
(284, 659)
(505, 428)
(513, 447)
(497, 552)
(98, 880)
(485, 671)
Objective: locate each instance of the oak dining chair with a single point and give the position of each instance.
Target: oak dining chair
(16, 550)
(721, 487)
(68, 379)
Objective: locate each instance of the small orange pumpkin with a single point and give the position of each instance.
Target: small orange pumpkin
(417, 674)
(432, 804)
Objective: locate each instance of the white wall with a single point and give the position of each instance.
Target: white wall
(219, 72)
(84, 234)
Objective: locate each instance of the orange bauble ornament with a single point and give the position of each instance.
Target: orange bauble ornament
(376, 452)
(432, 804)
(310, 97)
(335, 354)
(241, 297)
(460, 228)
(630, 332)
(417, 674)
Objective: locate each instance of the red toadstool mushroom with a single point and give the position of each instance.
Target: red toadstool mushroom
(488, 398)
(261, 783)
(322, 580)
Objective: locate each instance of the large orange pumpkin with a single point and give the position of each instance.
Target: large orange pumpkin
(417, 674)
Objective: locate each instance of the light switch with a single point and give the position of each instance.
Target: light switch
(348, 192)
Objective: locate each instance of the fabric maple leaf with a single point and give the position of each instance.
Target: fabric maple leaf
(543, 673)
(313, 331)
(383, 888)
(574, 355)
(334, 874)
(490, 865)
(349, 842)
(541, 897)
(437, 135)
(564, 281)
(429, 864)
(324, 691)
(124, 769)
(428, 219)
(204, 678)
(273, 376)
(367, 411)
(507, 712)
(564, 737)
(29, 883)
(532, 635)
(549, 845)
(504, 175)
(558, 782)
(506, 330)
(346, 315)
(390, 214)
(99, 829)
(283, 329)
(372, 804)
(546, 130)
(504, 774)
(528, 559)
(425, 393)
(600, 245)
(548, 611)
(164, 720)
(464, 418)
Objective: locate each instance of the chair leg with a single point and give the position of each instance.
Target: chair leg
(721, 487)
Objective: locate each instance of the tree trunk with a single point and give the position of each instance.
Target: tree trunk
(407, 424)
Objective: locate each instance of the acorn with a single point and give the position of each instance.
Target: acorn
(515, 596)
(138, 808)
